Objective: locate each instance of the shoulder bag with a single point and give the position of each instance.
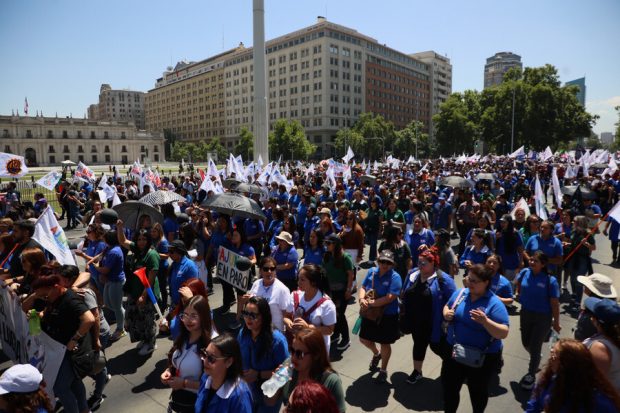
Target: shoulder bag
(468, 355)
(372, 313)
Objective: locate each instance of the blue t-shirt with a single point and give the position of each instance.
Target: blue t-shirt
(162, 248)
(282, 257)
(179, 273)
(537, 290)
(466, 331)
(441, 215)
(94, 248)
(539, 400)
(218, 239)
(231, 397)
(253, 227)
(552, 247)
(510, 258)
(476, 257)
(244, 250)
(313, 256)
(115, 261)
(415, 240)
(171, 225)
(501, 286)
(389, 283)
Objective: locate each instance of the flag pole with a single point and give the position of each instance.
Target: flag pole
(583, 241)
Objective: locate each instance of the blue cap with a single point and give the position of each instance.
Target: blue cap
(442, 196)
(606, 311)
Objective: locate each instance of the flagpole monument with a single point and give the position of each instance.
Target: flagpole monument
(261, 147)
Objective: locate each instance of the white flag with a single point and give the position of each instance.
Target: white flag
(350, 155)
(84, 173)
(49, 180)
(518, 152)
(49, 233)
(540, 200)
(522, 204)
(116, 200)
(12, 166)
(557, 191)
(547, 154)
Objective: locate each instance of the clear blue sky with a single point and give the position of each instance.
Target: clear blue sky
(58, 53)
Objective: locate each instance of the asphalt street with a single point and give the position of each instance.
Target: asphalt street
(135, 384)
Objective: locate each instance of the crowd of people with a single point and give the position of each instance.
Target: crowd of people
(516, 253)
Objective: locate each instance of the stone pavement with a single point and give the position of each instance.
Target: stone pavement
(135, 384)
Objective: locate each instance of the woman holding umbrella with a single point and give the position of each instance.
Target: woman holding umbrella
(141, 314)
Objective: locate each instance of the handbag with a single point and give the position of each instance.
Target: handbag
(374, 314)
(468, 355)
(86, 360)
(182, 401)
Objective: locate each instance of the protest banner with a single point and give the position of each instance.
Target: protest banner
(21, 347)
(228, 272)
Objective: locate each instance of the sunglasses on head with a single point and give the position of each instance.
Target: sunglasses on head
(248, 314)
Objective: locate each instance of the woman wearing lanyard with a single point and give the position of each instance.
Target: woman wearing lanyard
(386, 284)
(425, 292)
(539, 294)
(262, 350)
(477, 319)
(286, 258)
(185, 367)
(499, 284)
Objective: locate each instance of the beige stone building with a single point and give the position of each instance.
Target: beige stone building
(47, 141)
(497, 66)
(118, 105)
(323, 75)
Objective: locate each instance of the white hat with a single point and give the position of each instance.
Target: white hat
(21, 378)
(286, 237)
(599, 284)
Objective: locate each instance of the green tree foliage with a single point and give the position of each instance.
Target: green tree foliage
(288, 139)
(377, 132)
(214, 145)
(179, 151)
(546, 113)
(411, 138)
(245, 147)
(198, 152)
(615, 146)
(348, 137)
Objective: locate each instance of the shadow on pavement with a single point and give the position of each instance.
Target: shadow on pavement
(152, 380)
(522, 396)
(127, 362)
(368, 394)
(416, 396)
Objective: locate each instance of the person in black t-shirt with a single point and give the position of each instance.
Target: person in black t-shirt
(22, 232)
(67, 320)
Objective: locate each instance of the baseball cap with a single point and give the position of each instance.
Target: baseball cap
(178, 245)
(21, 378)
(606, 311)
(386, 255)
(333, 238)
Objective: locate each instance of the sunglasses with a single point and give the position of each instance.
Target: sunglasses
(205, 355)
(268, 269)
(298, 354)
(248, 314)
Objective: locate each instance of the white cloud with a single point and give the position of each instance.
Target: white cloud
(606, 110)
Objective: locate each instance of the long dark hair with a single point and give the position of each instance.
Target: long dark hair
(229, 347)
(316, 277)
(201, 305)
(265, 336)
(337, 256)
(509, 235)
(576, 382)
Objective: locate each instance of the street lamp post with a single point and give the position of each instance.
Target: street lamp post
(512, 133)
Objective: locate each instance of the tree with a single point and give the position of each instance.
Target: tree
(179, 151)
(169, 139)
(377, 132)
(616, 143)
(245, 147)
(457, 123)
(215, 146)
(593, 142)
(288, 139)
(412, 141)
(347, 137)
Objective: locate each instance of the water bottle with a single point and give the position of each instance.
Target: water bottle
(553, 338)
(281, 376)
(34, 322)
(357, 326)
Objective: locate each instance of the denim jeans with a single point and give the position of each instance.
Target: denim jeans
(576, 267)
(100, 378)
(69, 388)
(113, 299)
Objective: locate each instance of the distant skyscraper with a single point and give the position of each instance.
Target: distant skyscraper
(607, 138)
(118, 105)
(581, 84)
(497, 66)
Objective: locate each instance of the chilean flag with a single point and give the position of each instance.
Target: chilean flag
(141, 274)
(26, 106)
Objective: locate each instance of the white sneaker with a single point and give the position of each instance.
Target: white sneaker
(147, 349)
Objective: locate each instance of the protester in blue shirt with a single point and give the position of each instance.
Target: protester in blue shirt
(314, 251)
(181, 269)
(286, 258)
(222, 389)
(477, 319)
(539, 294)
(509, 246)
(312, 222)
(614, 237)
(94, 246)
(111, 268)
(263, 349)
(171, 227)
(476, 253)
(547, 243)
(500, 285)
(418, 236)
(239, 245)
(571, 382)
(386, 285)
(442, 214)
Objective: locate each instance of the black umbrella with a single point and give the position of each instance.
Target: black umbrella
(585, 192)
(456, 182)
(131, 211)
(370, 178)
(247, 188)
(161, 198)
(230, 183)
(485, 176)
(234, 204)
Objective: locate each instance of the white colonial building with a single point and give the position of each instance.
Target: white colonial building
(47, 141)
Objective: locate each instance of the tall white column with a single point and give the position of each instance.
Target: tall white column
(261, 143)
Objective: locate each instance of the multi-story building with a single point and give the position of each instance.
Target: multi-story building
(607, 138)
(581, 93)
(47, 141)
(324, 75)
(441, 79)
(118, 105)
(497, 66)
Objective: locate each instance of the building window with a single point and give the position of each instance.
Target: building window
(50, 134)
(80, 149)
(105, 135)
(107, 158)
(7, 149)
(79, 134)
(66, 149)
(94, 158)
(156, 157)
(65, 135)
(52, 159)
(123, 135)
(81, 158)
(124, 160)
(107, 149)
(67, 157)
(156, 148)
(51, 149)
(142, 148)
(93, 149)
(5, 133)
(92, 135)
(124, 149)
(29, 133)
